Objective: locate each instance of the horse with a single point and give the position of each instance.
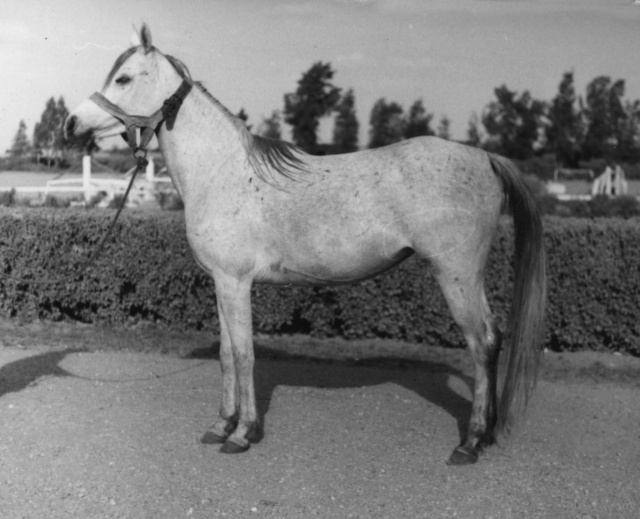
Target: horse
(259, 210)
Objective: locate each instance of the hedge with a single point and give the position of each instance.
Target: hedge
(147, 272)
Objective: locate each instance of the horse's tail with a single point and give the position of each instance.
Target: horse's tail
(521, 358)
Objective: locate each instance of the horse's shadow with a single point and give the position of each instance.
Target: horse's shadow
(20, 374)
(427, 379)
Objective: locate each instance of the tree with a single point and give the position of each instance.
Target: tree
(314, 98)
(605, 115)
(270, 127)
(514, 123)
(48, 134)
(387, 124)
(418, 121)
(629, 133)
(20, 146)
(444, 128)
(474, 134)
(345, 130)
(565, 132)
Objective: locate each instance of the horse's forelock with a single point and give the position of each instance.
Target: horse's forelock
(118, 63)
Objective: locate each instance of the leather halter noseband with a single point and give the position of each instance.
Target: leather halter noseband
(147, 124)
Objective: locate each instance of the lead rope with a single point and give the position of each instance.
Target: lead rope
(141, 163)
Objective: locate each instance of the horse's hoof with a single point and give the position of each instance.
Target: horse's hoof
(462, 456)
(230, 447)
(211, 438)
(255, 434)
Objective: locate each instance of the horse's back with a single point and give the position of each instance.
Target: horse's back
(420, 186)
(432, 169)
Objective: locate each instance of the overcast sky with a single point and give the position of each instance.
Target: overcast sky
(248, 53)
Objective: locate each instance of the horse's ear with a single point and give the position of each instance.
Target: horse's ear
(135, 37)
(145, 37)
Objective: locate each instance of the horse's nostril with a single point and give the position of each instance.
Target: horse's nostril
(70, 125)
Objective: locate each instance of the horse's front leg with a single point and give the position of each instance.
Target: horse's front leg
(238, 423)
(228, 418)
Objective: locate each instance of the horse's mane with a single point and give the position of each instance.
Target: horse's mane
(265, 155)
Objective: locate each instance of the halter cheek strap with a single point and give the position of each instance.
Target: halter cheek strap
(147, 124)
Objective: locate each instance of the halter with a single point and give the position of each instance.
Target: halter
(147, 124)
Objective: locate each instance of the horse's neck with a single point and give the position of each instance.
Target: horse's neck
(203, 142)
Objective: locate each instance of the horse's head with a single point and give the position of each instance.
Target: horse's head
(139, 82)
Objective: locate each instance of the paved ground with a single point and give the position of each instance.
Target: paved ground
(94, 434)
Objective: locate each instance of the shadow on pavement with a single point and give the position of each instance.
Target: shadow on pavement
(427, 379)
(21, 373)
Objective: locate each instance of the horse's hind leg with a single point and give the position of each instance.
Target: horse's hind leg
(468, 303)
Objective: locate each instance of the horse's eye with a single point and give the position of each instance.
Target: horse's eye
(123, 80)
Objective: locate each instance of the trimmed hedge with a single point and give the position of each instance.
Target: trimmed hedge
(147, 272)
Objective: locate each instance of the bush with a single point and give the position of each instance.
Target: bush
(116, 201)
(600, 206)
(147, 272)
(96, 198)
(169, 200)
(8, 198)
(594, 284)
(55, 202)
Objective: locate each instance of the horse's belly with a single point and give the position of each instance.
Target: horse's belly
(331, 269)
(332, 240)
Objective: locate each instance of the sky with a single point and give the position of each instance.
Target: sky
(452, 54)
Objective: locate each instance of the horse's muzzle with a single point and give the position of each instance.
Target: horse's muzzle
(82, 140)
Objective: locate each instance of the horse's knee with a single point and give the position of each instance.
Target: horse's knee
(226, 360)
(244, 366)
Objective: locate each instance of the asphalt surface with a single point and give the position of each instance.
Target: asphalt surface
(115, 434)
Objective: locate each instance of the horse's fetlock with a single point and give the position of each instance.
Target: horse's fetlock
(224, 426)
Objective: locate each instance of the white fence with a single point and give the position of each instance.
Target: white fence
(611, 182)
(143, 190)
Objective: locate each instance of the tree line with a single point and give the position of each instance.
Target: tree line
(573, 128)
(316, 97)
(601, 124)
